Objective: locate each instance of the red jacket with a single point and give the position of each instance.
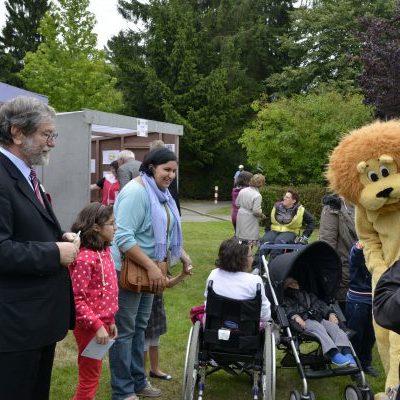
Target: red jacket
(110, 192)
(94, 282)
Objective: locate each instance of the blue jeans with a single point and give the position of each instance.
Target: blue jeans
(126, 355)
(359, 319)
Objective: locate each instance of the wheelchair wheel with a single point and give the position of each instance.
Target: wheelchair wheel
(295, 395)
(191, 363)
(268, 374)
(352, 392)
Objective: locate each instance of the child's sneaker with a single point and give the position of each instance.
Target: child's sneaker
(340, 360)
(352, 361)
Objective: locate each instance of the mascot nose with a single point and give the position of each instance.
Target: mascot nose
(385, 193)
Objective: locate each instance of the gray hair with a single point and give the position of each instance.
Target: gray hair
(126, 155)
(24, 113)
(156, 144)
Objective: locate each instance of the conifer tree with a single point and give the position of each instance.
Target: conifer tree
(67, 66)
(19, 35)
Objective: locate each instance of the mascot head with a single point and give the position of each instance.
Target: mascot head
(364, 167)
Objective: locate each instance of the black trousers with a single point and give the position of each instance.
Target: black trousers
(26, 375)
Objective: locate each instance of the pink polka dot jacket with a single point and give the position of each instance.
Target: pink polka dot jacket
(94, 282)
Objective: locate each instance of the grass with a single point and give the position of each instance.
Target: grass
(223, 211)
(202, 240)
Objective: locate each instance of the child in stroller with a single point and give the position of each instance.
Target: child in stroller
(314, 317)
(317, 269)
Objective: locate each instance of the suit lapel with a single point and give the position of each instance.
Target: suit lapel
(27, 190)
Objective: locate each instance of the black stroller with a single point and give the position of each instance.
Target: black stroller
(317, 268)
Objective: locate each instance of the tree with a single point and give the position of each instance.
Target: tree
(19, 35)
(200, 64)
(291, 138)
(67, 67)
(380, 58)
(322, 45)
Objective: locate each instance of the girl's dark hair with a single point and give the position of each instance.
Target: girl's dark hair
(93, 214)
(156, 157)
(115, 165)
(232, 255)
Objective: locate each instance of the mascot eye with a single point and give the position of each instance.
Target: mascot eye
(373, 176)
(384, 171)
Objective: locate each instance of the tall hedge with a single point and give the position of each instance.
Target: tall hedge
(310, 197)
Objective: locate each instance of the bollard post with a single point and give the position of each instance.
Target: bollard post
(216, 195)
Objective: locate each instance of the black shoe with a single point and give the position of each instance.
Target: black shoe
(371, 371)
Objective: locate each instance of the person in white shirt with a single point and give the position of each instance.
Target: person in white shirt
(232, 278)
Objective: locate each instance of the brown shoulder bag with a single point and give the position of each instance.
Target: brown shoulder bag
(134, 277)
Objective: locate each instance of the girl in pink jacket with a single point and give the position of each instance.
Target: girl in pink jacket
(94, 282)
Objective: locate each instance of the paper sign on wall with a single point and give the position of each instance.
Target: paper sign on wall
(109, 156)
(142, 127)
(170, 146)
(92, 166)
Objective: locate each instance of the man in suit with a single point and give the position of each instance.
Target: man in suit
(36, 302)
(128, 167)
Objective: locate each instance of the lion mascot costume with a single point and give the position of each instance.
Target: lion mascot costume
(364, 168)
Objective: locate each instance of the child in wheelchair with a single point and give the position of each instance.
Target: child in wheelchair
(232, 276)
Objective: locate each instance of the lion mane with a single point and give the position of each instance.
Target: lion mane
(370, 141)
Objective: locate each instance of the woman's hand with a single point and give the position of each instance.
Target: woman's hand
(186, 263)
(156, 279)
(102, 336)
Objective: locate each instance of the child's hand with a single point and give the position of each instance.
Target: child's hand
(333, 318)
(113, 331)
(102, 336)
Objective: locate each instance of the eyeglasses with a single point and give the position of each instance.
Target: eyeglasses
(50, 136)
(111, 223)
(250, 255)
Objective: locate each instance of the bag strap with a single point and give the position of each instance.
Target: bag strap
(168, 219)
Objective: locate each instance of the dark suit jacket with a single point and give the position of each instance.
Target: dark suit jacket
(36, 302)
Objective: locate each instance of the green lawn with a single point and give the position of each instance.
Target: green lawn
(201, 242)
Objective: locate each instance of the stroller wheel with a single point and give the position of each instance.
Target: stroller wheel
(368, 393)
(352, 392)
(295, 395)
(311, 396)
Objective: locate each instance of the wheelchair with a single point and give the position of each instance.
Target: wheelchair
(231, 340)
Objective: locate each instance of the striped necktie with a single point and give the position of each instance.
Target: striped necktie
(35, 184)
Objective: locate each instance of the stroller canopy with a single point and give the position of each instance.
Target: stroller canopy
(317, 268)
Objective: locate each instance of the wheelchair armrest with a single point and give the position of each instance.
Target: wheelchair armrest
(282, 317)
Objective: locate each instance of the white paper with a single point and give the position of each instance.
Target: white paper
(142, 127)
(224, 334)
(92, 166)
(170, 146)
(109, 156)
(95, 350)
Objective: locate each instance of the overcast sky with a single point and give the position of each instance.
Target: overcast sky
(109, 21)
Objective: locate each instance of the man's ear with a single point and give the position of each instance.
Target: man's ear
(16, 135)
